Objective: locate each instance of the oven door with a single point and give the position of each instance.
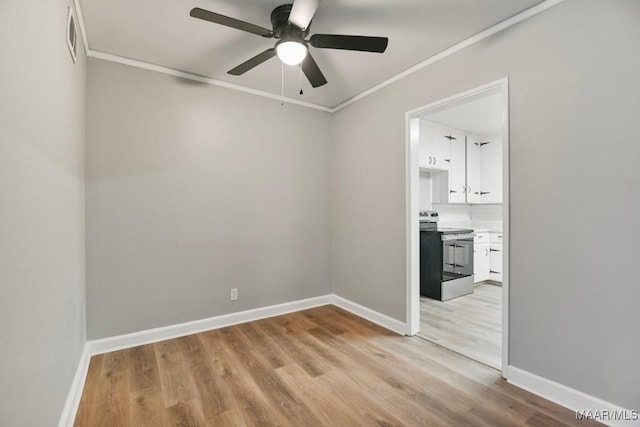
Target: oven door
(448, 259)
(457, 254)
(463, 261)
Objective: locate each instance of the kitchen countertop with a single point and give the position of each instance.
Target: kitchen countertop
(483, 227)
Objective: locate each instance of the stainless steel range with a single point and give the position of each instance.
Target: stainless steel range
(446, 259)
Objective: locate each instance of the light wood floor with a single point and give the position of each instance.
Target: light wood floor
(320, 367)
(470, 325)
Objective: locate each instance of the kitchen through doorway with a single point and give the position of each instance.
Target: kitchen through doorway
(458, 223)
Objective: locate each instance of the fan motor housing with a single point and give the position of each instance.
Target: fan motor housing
(282, 28)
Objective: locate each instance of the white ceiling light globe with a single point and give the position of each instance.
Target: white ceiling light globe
(291, 52)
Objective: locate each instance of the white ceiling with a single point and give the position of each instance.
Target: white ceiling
(480, 116)
(161, 32)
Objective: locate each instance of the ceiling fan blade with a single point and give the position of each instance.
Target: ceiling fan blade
(312, 71)
(253, 62)
(360, 43)
(216, 18)
(302, 12)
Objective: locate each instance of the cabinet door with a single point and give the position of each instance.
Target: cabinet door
(491, 167)
(434, 148)
(495, 262)
(474, 178)
(442, 150)
(457, 168)
(480, 262)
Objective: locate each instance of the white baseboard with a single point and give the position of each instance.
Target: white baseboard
(568, 397)
(148, 336)
(68, 416)
(134, 339)
(378, 318)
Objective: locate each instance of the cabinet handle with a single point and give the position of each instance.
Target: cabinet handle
(494, 272)
(447, 160)
(494, 250)
(486, 252)
(452, 191)
(482, 193)
(435, 160)
(477, 192)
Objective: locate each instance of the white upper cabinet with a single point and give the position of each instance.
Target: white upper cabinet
(473, 165)
(435, 150)
(491, 169)
(474, 173)
(457, 171)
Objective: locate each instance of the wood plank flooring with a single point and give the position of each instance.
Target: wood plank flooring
(319, 367)
(470, 325)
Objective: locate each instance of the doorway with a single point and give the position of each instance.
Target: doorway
(458, 173)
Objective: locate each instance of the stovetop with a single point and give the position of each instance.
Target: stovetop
(432, 227)
(446, 230)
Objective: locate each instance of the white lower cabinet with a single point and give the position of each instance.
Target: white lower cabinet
(481, 257)
(481, 262)
(495, 254)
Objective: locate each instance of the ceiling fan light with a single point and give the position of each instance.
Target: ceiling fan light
(291, 52)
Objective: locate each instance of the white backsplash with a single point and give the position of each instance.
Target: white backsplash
(470, 216)
(487, 216)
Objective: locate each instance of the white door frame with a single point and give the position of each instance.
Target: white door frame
(412, 208)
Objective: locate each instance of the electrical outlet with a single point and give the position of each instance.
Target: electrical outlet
(234, 294)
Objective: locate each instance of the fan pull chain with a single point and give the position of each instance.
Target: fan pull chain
(282, 83)
(301, 92)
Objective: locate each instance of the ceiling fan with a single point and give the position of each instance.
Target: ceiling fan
(291, 24)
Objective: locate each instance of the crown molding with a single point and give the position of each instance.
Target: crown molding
(541, 7)
(202, 79)
(83, 29)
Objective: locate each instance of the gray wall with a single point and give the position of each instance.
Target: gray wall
(574, 85)
(42, 101)
(193, 190)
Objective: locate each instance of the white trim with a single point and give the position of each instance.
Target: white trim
(412, 178)
(563, 395)
(412, 225)
(68, 416)
(506, 226)
(148, 336)
(453, 49)
(202, 79)
(437, 57)
(383, 320)
(83, 31)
